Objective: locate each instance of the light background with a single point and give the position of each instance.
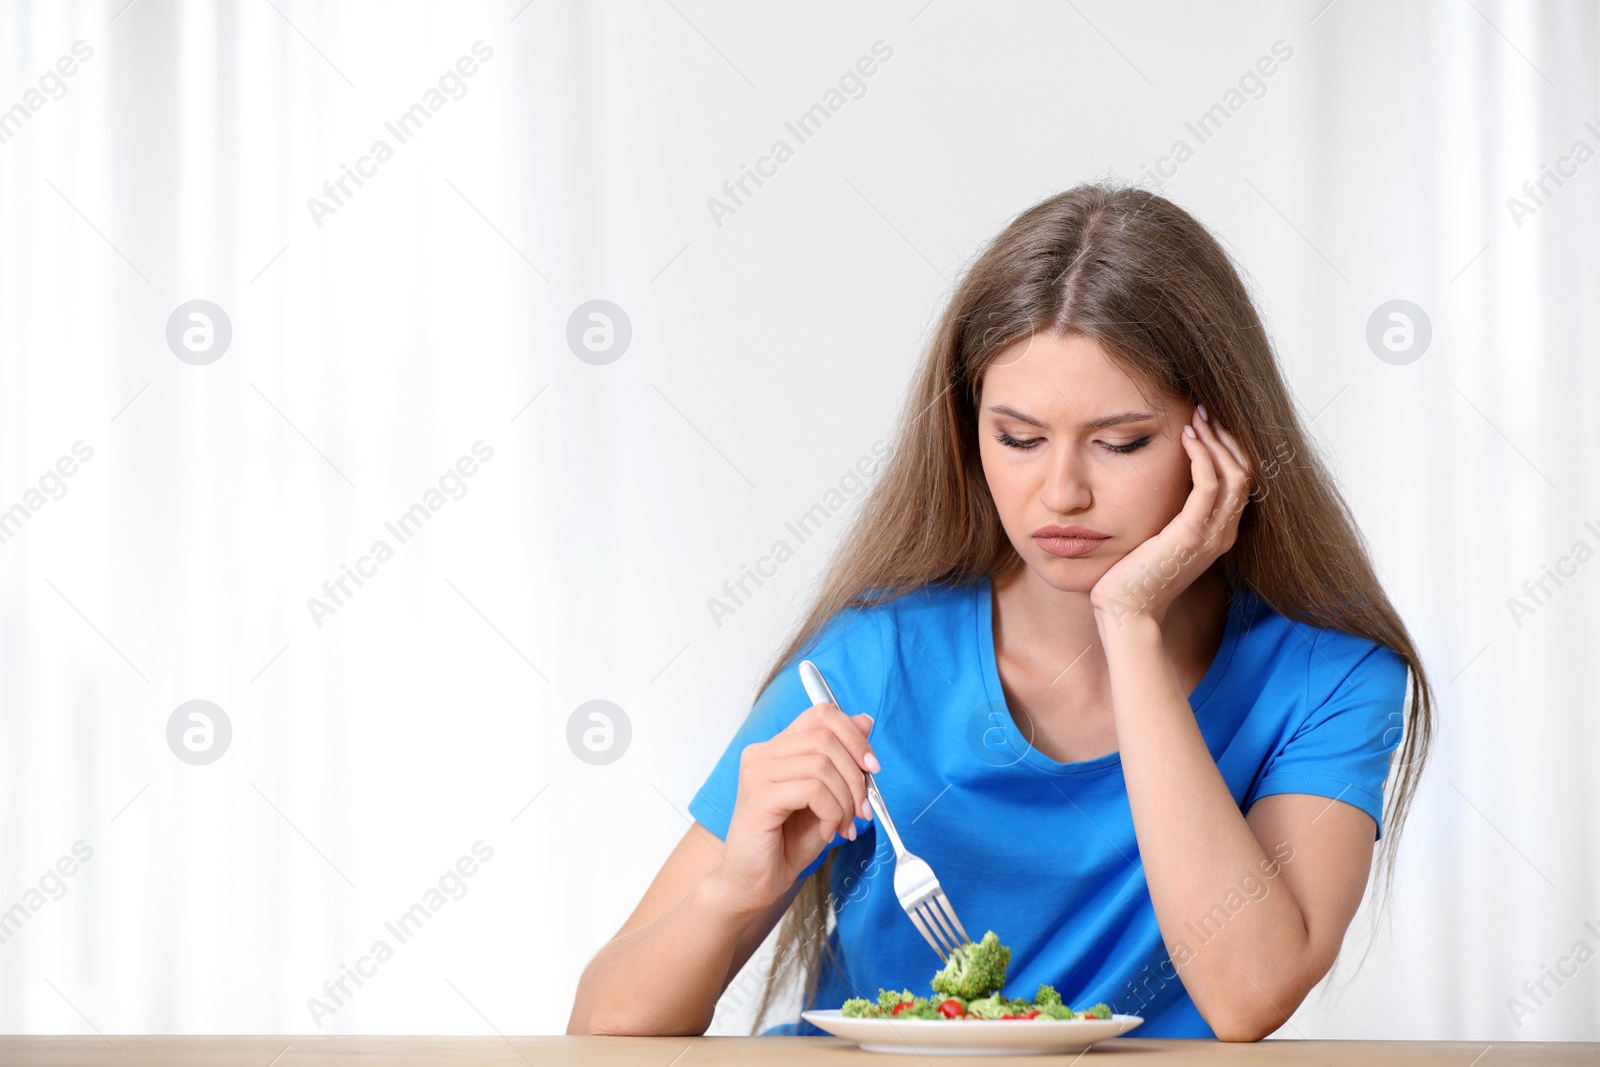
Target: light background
(769, 353)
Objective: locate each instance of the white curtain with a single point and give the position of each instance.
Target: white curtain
(406, 364)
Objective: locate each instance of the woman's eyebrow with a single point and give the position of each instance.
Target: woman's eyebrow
(1092, 424)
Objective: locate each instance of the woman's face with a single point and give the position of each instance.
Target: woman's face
(1067, 440)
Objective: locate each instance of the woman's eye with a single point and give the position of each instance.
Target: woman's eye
(1033, 442)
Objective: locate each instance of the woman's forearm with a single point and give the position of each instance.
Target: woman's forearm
(1196, 846)
(663, 978)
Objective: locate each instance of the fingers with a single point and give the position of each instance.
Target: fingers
(852, 734)
(852, 731)
(1230, 455)
(828, 746)
(1229, 459)
(817, 753)
(1200, 505)
(1228, 441)
(804, 794)
(805, 757)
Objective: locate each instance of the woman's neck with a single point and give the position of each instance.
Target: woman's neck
(1043, 626)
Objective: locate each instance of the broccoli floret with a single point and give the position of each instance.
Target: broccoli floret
(974, 970)
(1047, 995)
(1056, 1011)
(1099, 1011)
(990, 1007)
(1021, 1005)
(888, 998)
(915, 1007)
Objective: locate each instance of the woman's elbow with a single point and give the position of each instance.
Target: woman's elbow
(1248, 1023)
(1244, 1030)
(578, 1021)
(602, 1024)
(1272, 999)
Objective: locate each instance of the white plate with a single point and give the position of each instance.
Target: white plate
(971, 1037)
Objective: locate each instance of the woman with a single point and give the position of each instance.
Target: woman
(1111, 645)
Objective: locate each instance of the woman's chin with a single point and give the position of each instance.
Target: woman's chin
(1068, 575)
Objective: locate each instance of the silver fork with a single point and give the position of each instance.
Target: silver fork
(920, 894)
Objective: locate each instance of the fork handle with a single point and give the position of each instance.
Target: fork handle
(875, 799)
(818, 690)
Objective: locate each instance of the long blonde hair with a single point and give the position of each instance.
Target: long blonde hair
(1139, 275)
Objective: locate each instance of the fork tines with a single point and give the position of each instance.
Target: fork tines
(938, 923)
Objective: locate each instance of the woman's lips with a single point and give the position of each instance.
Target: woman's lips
(1069, 547)
(1069, 541)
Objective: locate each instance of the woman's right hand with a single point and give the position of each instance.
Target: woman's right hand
(795, 792)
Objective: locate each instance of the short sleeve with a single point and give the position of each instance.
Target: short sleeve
(850, 652)
(1342, 749)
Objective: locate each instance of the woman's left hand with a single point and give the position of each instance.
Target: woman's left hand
(1147, 580)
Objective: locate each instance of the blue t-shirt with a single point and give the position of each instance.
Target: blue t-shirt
(1040, 852)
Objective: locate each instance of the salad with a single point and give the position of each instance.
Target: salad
(968, 987)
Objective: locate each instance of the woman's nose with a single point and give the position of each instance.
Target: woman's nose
(1066, 489)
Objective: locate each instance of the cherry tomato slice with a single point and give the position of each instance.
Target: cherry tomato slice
(900, 1007)
(952, 1009)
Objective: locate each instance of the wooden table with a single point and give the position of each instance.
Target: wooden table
(120, 1051)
